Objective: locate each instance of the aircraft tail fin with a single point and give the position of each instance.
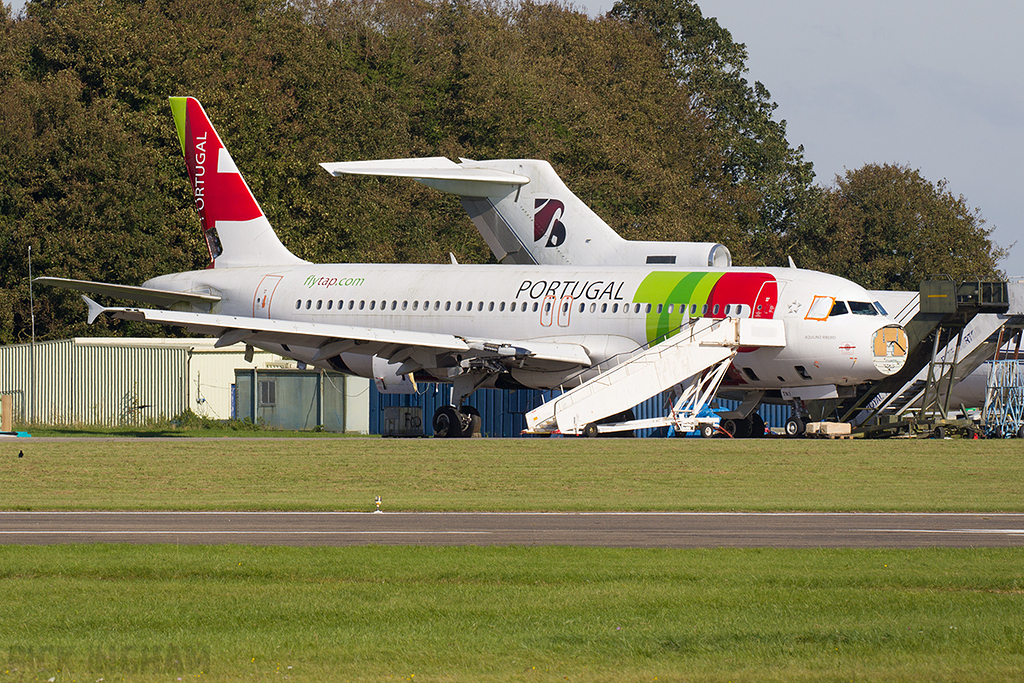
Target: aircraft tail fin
(526, 214)
(236, 230)
(523, 210)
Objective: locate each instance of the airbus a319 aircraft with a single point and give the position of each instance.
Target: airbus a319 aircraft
(504, 326)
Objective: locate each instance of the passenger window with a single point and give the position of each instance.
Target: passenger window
(490, 306)
(298, 304)
(447, 305)
(714, 311)
(362, 304)
(458, 305)
(319, 303)
(373, 304)
(583, 307)
(330, 304)
(415, 305)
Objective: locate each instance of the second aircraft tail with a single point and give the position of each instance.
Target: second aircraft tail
(526, 214)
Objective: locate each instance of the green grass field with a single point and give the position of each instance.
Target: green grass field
(512, 474)
(168, 613)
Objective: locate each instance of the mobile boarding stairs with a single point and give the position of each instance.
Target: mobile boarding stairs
(953, 329)
(695, 359)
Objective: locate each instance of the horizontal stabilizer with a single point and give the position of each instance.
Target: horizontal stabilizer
(156, 297)
(439, 173)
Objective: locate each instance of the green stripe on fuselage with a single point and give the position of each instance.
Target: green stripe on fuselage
(679, 289)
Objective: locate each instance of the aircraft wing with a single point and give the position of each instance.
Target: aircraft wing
(418, 349)
(156, 297)
(439, 173)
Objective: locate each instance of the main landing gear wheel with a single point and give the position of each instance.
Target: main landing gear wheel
(447, 423)
(756, 426)
(740, 429)
(795, 427)
(471, 426)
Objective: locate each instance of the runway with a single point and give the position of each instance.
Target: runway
(610, 530)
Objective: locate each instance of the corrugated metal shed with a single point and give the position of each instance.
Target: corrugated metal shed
(75, 381)
(112, 381)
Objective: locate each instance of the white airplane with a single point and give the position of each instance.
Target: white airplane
(503, 326)
(527, 215)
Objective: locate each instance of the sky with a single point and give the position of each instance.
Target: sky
(937, 85)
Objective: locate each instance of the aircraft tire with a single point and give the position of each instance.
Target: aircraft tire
(739, 428)
(795, 427)
(472, 423)
(756, 426)
(447, 423)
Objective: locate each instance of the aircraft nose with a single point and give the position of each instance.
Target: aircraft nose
(889, 347)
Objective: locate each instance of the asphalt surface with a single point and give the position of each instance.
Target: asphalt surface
(611, 530)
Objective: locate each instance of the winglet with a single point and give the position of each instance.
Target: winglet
(95, 310)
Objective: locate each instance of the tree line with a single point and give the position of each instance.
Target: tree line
(646, 114)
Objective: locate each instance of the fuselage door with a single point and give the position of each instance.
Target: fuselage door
(564, 311)
(264, 295)
(547, 310)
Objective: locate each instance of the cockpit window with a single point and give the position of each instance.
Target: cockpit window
(862, 308)
(881, 309)
(838, 308)
(819, 308)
